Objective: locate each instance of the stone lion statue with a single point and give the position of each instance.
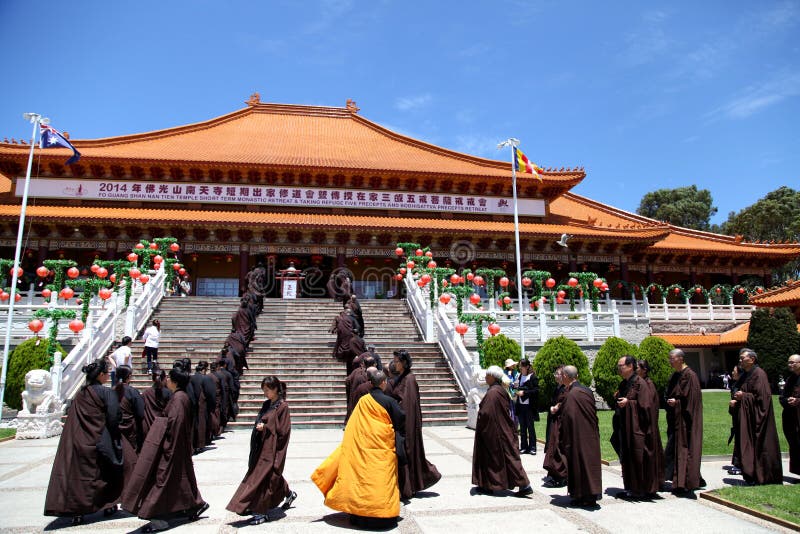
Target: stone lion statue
(38, 395)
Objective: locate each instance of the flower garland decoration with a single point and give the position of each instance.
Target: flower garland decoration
(697, 289)
(489, 276)
(678, 291)
(55, 315)
(58, 268)
(478, 320)
(721, 292)
(121, 270)
(89, 287)
(536, 287)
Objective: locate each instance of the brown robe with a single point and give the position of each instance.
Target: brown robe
(216, 417)
(163, 481)
(653, 445)
(632, 437)
(791, 421)
(418, 473)
(355, 379)
(554, 461)
(153, 407)
(684, 431)
(761, 453)
(579, 438)
(496, 464)
(348, 343)
(200, 428)
(132, 410)
(264, 487)
(81, 481)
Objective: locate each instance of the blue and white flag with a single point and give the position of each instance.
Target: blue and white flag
(52, 138)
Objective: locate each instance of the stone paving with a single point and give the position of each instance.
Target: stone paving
(448, 507)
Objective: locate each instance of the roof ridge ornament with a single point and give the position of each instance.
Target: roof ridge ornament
(254, 99)
(351, 106)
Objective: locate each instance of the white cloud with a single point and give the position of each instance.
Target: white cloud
(410, 103)
(758, 97)
(480, 145)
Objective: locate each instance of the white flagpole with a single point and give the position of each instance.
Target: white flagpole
(513, 143)
(35, 118)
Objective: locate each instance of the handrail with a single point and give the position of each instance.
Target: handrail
(420, 308)
(463, 363)
(146, 297)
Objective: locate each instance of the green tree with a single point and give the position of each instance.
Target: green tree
(656, 352)
(604, 370)
(558, 351)
(773, 335)
(776, 217)
(30, 354)
(497, 349)
(685, 206)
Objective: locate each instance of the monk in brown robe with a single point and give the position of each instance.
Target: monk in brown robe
(554, 462)
(653, 445)
(579, 435)
(348, 343)
(790, 400)
(356, 377)
(155, 399)
(684, 448)
(221, 383)
(131, 406)
(418, 473)
(758, 435)
(163, 483)
(496, 464)
(264, 487)
(86, 479)
(633, 428)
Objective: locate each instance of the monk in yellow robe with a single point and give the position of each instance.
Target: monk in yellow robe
(360, 476)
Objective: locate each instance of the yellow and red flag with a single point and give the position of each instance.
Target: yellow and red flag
(523, 164)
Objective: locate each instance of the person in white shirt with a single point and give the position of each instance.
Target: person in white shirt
(151, 337)
(121, 356)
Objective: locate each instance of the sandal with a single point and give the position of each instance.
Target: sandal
(287, 503)
(258, 519)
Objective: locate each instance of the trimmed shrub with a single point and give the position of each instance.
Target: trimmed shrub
(558, 351)
(604, 370)
(656, 351)
(497, 349)
(30, 354)
(773, 335)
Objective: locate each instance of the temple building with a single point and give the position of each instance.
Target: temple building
(324, 187)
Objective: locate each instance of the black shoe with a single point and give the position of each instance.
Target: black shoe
(258, 519)
(555, 483)
(627, 495)
(108, 512)
(77, 520)
(483, 491)
(524, 491)
(532, 451)
(195, 514)
(287, 503)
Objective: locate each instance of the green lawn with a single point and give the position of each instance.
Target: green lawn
(716, 426)
(775, 500)
(5, 432)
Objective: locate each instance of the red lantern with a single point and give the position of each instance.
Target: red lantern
(42, 272)
(677, 291)
(153, 246)
(454, 279)
(534, 304)
(139, 246)
(20, 272)
(181, 271)
(104, 293)
(572, 282)
(398, 251)
(144, 278)
(410, 264)
(478, 280)
(494, 329)
(398, 277)
(503, 282)
(580, 293)
(102, 272)
(46, 293)
(176, 266)
(35, 326)
(113, 278)
(470, 276)
(94, 268)
(475, 299)
(174, 247)
(499, 302)
(73, 272)
(559, 300)
(135, 273)
(4, 296)
(429, 254)
(461, 328)
(597, 282)
(741, 290)
(419, 252)
(444, 283)
(157, 258)
(561, 293)
(17, 297)
(719, 290)
(425, 279)
(78, 301)
(431, 264)
(759, 290)
(420, 283)
(550, 283)
(619, 285)
(133, 257)
(604, 287)
(445, 298)
(76, 325)
(527, 282)
(66, 293)
(403, 270)
(506, 300)
(698, 290)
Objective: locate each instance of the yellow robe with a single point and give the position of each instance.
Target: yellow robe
(360, 476)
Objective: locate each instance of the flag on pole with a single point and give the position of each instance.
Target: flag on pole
(523, 164)
(52, 138)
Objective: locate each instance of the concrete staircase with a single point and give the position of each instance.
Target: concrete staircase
(293, 343)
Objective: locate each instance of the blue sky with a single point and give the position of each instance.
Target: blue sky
(645, 95)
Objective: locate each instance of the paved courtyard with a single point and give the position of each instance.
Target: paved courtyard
(448, 507)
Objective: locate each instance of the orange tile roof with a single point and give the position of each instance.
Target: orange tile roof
(284, 135)
(683, 240)
(788, 295)
(314, 220)
(734, 337)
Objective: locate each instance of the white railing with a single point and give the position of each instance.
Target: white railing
(418, 301)
(463, 363)
(700, 312)
(145, 298)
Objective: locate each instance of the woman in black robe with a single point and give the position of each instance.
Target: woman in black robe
(264, 486)
(163, 483)
(131, 406)
(155, 399)
(87, 472)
